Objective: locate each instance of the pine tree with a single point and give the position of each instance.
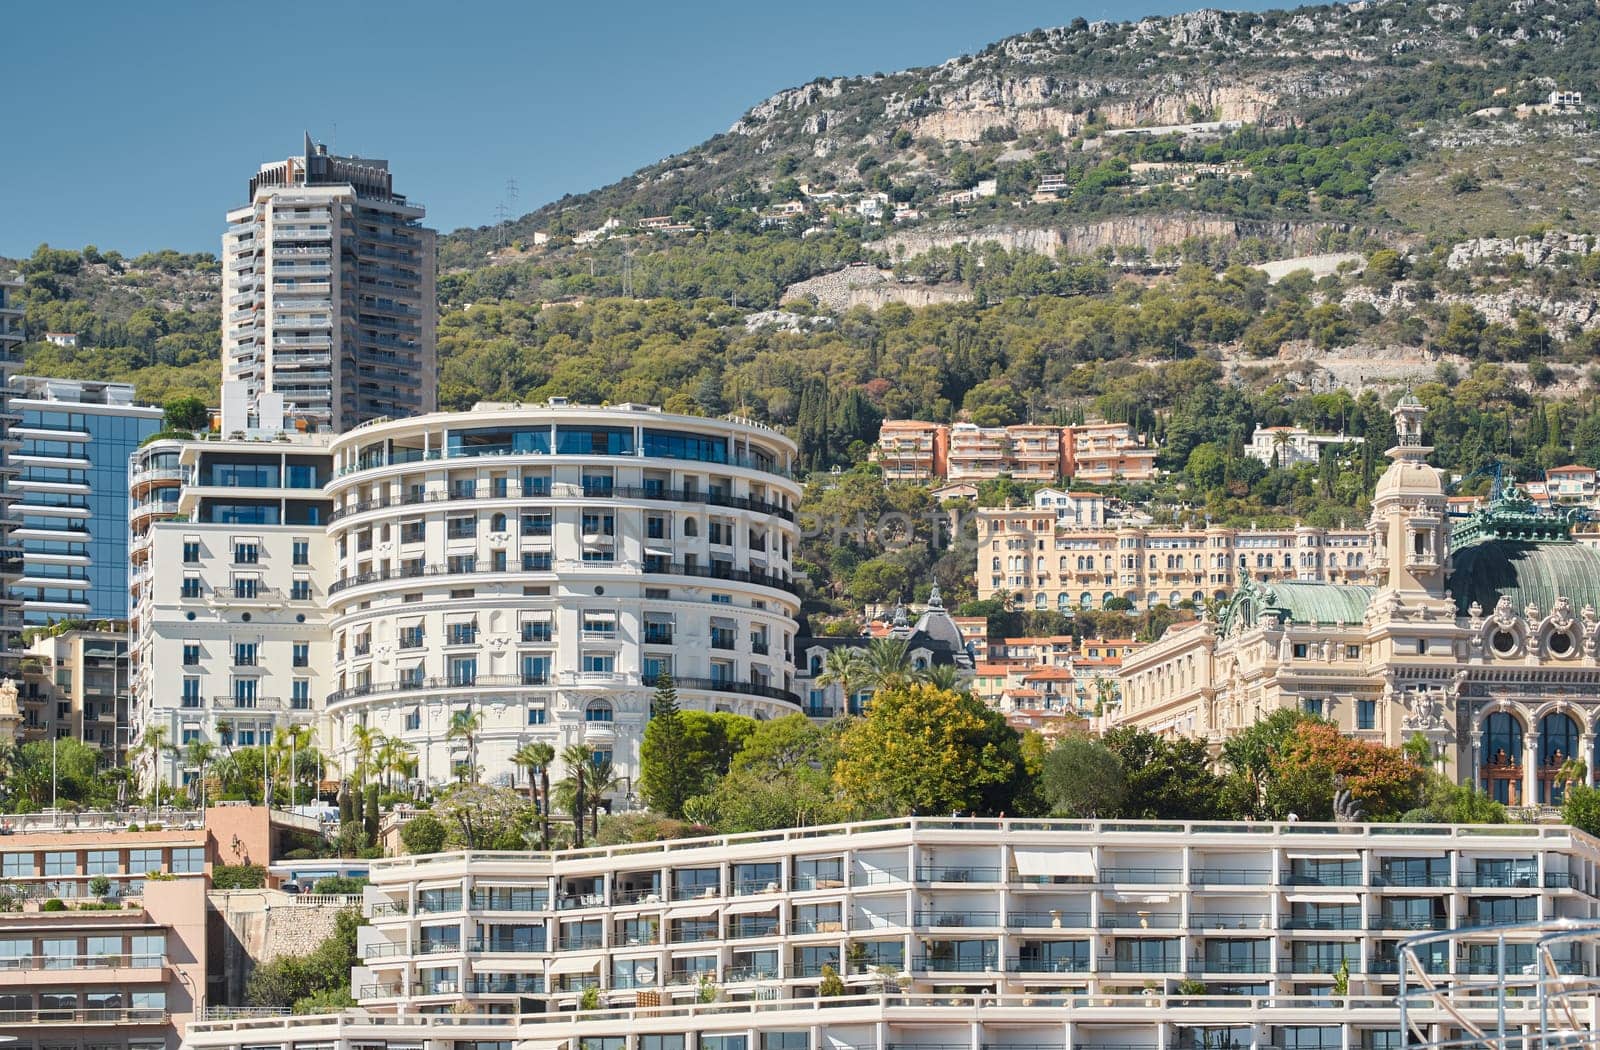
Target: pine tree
(665, 778)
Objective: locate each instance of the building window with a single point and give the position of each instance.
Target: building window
(598, 711)
(1366, 714)
(188, 861)
(536, 716)
(301, 654)
(1311, 706)
(191, 587)
(244, 654)
(463, 670)
(191, 552)
(191, 692)
(413, 720)
(300, 589)
(302, 552)
(191, 654)
(246, 553)
(300, 694)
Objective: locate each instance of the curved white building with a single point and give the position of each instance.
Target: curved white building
(541, 566)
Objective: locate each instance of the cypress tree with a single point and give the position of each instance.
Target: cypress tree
(372, 815)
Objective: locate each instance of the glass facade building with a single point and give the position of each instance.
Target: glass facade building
(74, 439)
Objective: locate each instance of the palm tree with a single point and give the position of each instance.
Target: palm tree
(603, 780)
(390, 759)
(464, 725)
(846, 667)
(579, 760)
(366, 740)
(538, 756)
(942, 676)
(888, 663)
(1573, 771)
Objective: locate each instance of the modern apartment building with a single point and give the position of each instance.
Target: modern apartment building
(10, 552)
(124, 978)
(1026, 551)
(329, 301)
(74, 438)
(948, 932)
(544, 566)
(75, 686)
(1096, 453)
(231, 562)
(540, 566)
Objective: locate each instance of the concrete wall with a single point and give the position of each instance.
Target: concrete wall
(251, 927)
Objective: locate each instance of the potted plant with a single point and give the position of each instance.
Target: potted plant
(100, 887)
(831, 985)
(589, 998)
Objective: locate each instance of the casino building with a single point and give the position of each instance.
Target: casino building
(1480, 633)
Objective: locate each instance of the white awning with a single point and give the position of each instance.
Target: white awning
(750, 907)
(575, 964)
(694, 913)
(1324, 898)
(1323, 856)
(1078, 862)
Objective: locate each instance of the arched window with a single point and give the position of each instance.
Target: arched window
(497, 523)
(598, 711)
(690, 527)
(1085, 600)
(1502, 758)
(1041, 601)
(1558, 742)
(1063, 601)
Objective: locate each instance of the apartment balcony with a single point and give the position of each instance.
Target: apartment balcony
(247, 703)
(102, 1017)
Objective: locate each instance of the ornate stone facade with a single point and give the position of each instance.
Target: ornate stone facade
(1480, 634)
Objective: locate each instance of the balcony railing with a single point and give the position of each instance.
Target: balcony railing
(957, 873)
(81, 962)
(955, 919)
(649, 567)
(1035, 920)
(1035, 964)
(95, 1016)
(954, 964)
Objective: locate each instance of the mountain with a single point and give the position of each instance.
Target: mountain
(1301, 115)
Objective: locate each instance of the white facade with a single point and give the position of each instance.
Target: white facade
(230, 573)
(947, 932)
(542, 566)
(1292, 446)
(329, 298)
(538, 566)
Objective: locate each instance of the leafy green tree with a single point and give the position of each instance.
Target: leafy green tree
(186, 412)
(423, 834)
(305, 983)
(665, 778)
(930, 751)
(477, 816)
(1081, 777)
(1167, 778)
(1581, 808)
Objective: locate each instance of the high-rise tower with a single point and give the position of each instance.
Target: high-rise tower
(328, 288)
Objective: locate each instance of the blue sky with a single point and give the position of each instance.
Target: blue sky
(136, 125)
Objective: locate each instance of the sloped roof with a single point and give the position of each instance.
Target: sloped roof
(1529, 573)
(1304, 602)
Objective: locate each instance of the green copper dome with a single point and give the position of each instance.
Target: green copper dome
(1529, 573)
